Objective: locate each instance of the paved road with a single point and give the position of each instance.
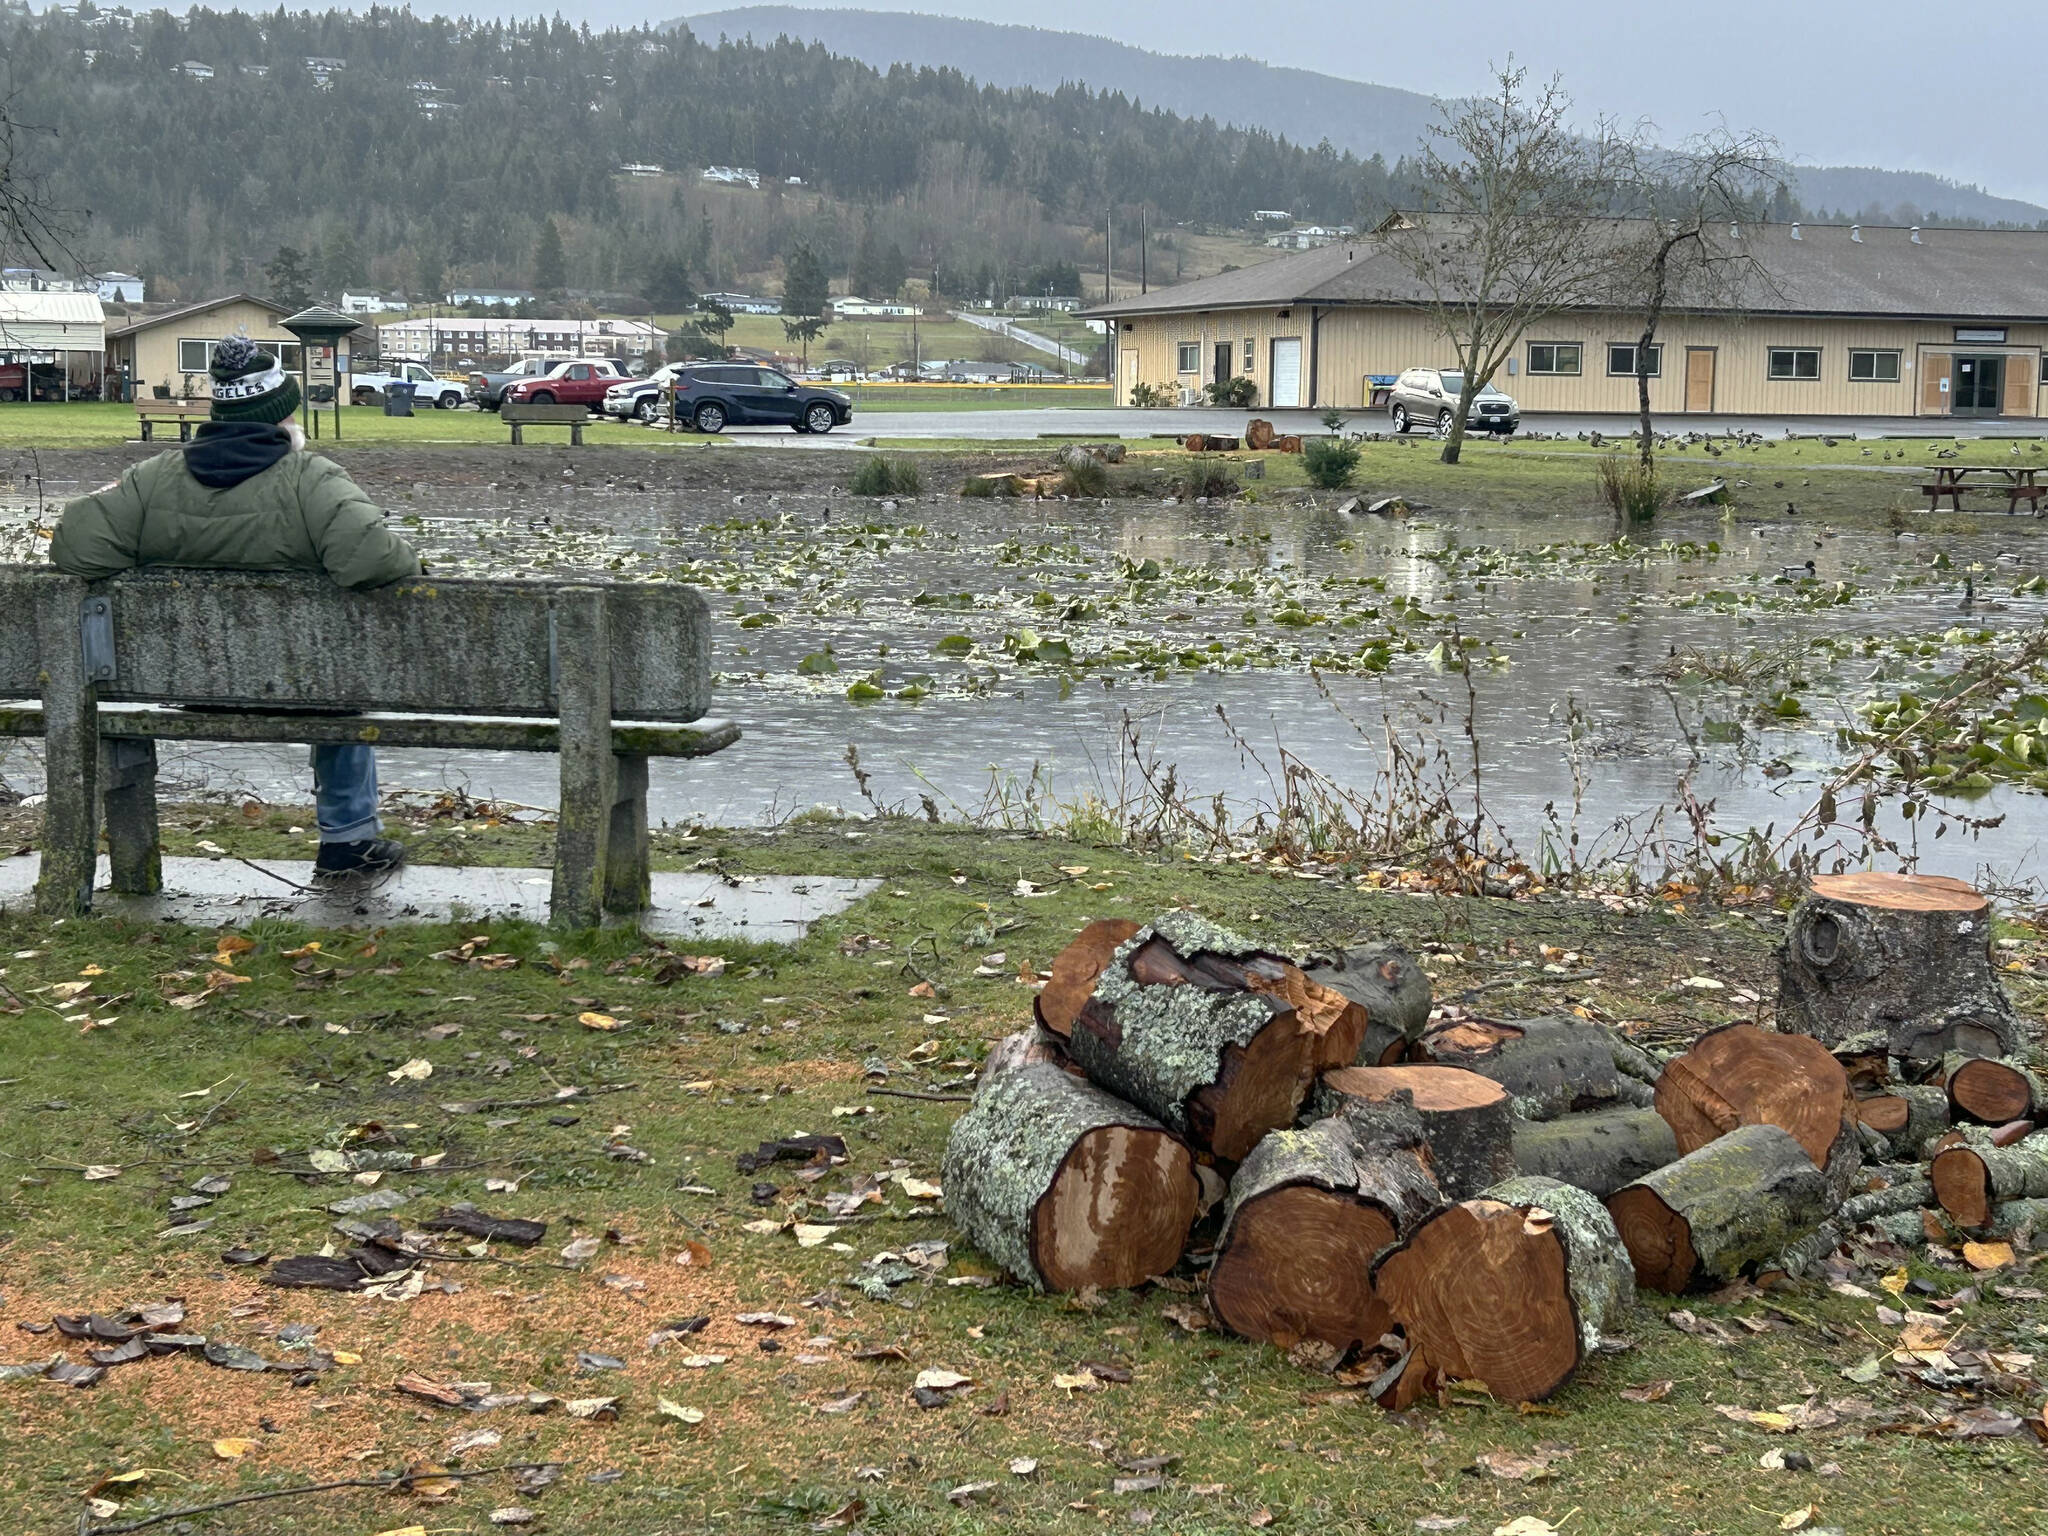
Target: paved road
(1117, 422)
(1018, 333)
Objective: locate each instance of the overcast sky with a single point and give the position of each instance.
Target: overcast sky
(1898, 84)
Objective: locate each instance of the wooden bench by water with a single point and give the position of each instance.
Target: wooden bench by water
(606, 675)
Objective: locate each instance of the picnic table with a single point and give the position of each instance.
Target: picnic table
(2016, 483)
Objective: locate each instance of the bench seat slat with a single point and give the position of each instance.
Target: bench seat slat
(698, 738)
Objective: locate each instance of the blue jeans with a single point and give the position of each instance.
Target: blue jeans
(345, 793)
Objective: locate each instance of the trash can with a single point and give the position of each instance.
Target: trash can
(398, 399)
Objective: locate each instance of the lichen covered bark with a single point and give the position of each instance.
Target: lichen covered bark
(1367, 1155)
(1597, 1268)
(1551, 1066)
(1921, 978)
(1740, 1201)
(1392, 987)
(1597, 1152)
(1005, 1151)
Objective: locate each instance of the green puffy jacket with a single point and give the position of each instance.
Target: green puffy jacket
(302, 513)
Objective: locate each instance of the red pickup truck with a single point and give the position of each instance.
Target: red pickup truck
(573, 383)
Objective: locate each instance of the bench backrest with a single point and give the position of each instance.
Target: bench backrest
(267, 638)
(173, 407)
(529, 414)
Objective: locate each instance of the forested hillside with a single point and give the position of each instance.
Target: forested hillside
(196, 182)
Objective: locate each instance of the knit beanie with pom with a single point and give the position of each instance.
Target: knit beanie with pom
(248, 384)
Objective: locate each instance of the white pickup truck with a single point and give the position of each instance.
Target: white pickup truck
(442, 394)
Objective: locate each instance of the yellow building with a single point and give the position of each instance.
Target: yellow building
(171, 349)
(1854, 321)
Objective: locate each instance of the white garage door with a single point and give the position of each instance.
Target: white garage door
(1286, 372)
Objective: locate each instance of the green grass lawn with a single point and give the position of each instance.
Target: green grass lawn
(299, 1049)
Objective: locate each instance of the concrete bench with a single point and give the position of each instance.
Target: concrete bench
(183, 412)
(518, 416)
(606, 675)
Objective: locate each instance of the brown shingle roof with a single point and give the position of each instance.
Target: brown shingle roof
(1974, 274)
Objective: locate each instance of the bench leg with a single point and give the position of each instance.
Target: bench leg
(575, 434)
(128, 802)
(628, 887)
(146, 425)
(71, 740)
(589, 771)
(517, 439)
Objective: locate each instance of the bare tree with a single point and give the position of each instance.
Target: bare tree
(1690, 252)
(33, 227)
(1517, 225)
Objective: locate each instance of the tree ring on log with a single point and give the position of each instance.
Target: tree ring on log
(1137, 1177)
(1483, 1286)
(1292, 1271)
(1740, 1076)
(1077, 968)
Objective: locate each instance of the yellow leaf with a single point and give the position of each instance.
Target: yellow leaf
(1798, 1519)
(100, 1171)
(1895, 1282)
(234, 944)
(303, 951)
(413, 1071)
(678, 1411)
(597, 1021)
(93, 970)
(808, 1236)
(920, 1189)
(1079, 1381)
(404, 1530)
(1987, 1255)
(234, 1449)
(347, 1357)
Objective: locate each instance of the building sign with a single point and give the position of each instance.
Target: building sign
(1983, 335)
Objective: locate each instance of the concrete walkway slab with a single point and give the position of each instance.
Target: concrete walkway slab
(208, 893)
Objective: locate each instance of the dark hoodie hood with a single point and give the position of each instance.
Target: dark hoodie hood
(225, 453)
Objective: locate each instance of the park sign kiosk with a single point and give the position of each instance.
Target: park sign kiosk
(322, 360)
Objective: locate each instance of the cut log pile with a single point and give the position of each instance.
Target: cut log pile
(1479, 1199)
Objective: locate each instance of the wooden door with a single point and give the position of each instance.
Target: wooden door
(1699, 378)
(1934, 383)
(2019, 386)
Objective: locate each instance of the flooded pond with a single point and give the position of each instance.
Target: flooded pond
(959, 646)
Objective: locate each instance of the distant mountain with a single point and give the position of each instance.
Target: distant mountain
(1304, 106)
(1296, 103)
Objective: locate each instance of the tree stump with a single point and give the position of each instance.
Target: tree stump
(1258, 434)
(1391, 986)
(1907, 956)
(1512, 1288)
(1550, 1066)
(1907, 1115)
(1076, 969)
(1217, 1038)
(1739, 1075)
(1597, 1152)
(1975, 1173)
(1992, 1091)
(1308, 1212)
(1062, 1184)
(1468, 1125)
(1720, 1210)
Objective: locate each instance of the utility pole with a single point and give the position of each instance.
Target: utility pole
(1143, 252)
(1108, 252)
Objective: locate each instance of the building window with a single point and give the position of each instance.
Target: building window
(1249, 344)
(1190, 356)
(191, 355)
(1874, 367)
(1554, 357)
(1795, 362)
(1621, 359)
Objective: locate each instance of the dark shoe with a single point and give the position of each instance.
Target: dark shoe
(371, 856)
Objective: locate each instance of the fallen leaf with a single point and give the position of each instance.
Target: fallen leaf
(846, 1514)
(1512, 1467)
(1077, 1381)
(919, 1189)
(100, 1171)
(597, 1021)
(935, 1380)
(232, 1449)
(678, 1411)
(416, 1070)
(967, 1493)
(1525, 1525)
(1895, 1282)
(597, 1409)
(1442, 1522)
(1024, 1466)
(1649, 1392)
(513, 1514)
(845, 1404)
(1798, 1519)
(581, 1249)
(1983, 1256)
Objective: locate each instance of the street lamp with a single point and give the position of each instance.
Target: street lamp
(320, 326)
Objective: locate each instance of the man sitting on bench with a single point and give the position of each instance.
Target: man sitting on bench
(245, 495)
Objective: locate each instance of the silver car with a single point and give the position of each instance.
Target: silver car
(1428, 398)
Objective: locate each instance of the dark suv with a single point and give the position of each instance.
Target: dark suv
(713, 396)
